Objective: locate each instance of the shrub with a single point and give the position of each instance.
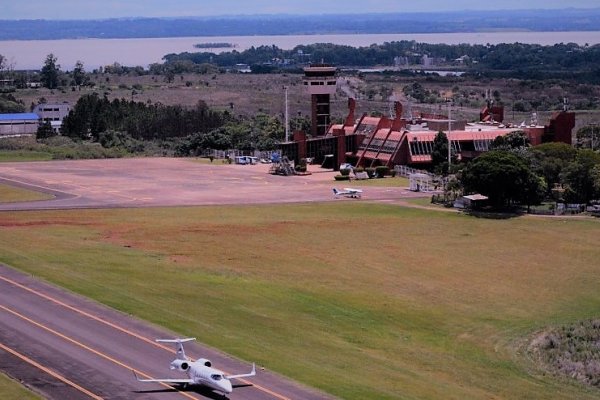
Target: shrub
(382, 171)
(345, 171)
(370, 172)
(342, 177)
(571, 351)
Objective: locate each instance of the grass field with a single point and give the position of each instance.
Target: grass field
(11, 194)
(423, 201)
(10, 389)
(385, 182)
(362, 300)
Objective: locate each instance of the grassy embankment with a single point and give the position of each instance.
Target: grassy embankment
(10, 389)
(24, 155)
(361, 300)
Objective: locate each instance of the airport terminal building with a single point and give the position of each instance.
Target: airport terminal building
(369, 141)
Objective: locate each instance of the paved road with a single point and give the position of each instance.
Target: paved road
(68, 347)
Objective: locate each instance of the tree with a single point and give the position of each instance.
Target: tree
(45, 131)
(588, 137)
(503, 177)
(534, 190)
(9, 104)
(513, 140)
(300, 123)
(595, 175)
(439, 154)
(50, 70)
(561, 151)
(579, 177)
(216, 139)
(549, 160)
(79, 76)
(169, 76)
(2, 65)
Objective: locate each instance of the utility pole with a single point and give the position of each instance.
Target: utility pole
(449, 131)
(287, 121)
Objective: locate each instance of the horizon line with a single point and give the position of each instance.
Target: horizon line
(233, 16)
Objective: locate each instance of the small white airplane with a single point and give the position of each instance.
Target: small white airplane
(348, 192)
(199, 372)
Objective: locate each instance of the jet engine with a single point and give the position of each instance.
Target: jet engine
(205, 362)
(181, 365)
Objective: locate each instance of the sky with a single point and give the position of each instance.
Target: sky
(102, 9)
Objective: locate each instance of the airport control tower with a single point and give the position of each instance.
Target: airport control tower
(320, 82)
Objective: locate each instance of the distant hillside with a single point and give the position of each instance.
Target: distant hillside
(470, 21)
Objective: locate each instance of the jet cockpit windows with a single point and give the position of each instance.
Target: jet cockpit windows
(216, 377)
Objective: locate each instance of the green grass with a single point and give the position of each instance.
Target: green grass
(11, 194)
(24, 155)
(423, 201)
(11, 389)
(381, 182)
(361, 300)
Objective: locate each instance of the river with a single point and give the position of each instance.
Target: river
(30, 54)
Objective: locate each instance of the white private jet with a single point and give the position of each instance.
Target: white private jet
(348, 192)
(200, 372)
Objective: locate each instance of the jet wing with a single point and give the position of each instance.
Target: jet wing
(165, 380)
(252, 373)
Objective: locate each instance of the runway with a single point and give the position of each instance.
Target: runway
(67, 347)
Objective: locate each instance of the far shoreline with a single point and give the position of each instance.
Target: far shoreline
(96, 52)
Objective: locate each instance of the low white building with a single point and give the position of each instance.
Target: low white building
(471, 201)
(18, 124)
(53, 113)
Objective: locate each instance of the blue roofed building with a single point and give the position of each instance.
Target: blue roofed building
(18, 124)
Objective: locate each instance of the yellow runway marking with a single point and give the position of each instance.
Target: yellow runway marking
(126, 331)
(83, 346)
(50, 372)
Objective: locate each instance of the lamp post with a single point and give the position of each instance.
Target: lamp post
(287, 122)
(449, 131)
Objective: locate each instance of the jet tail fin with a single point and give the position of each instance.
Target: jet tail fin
(178, 346)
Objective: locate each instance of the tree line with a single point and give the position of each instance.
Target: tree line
(515, 173)
(134, 126)
(93, 114)
(511, 59)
